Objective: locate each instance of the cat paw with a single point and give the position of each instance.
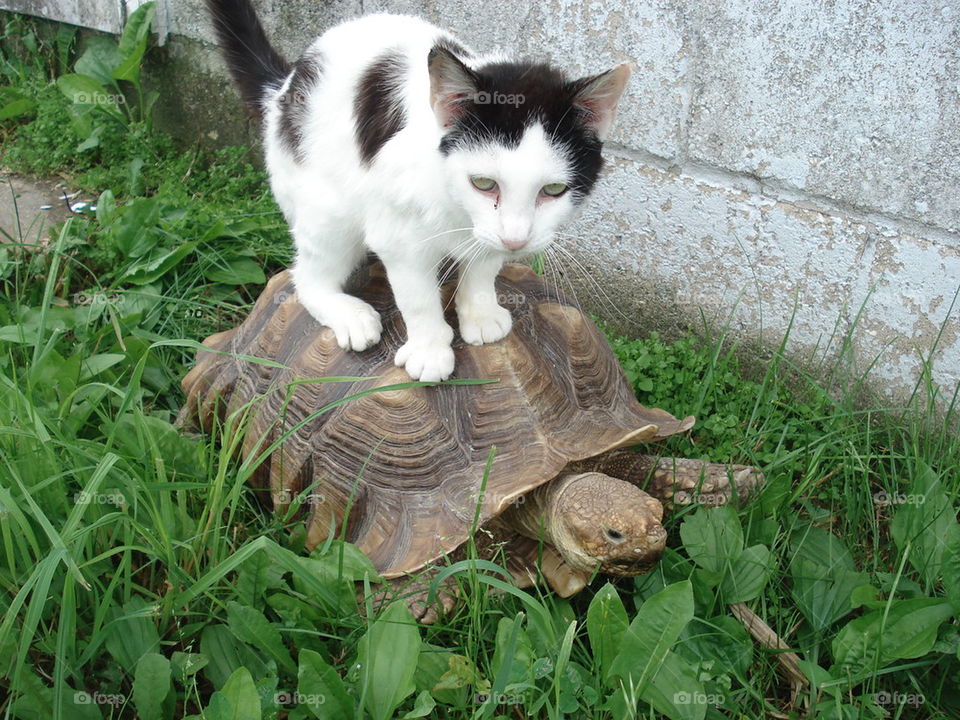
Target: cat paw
(356, 324)
(484, 325)
(427, 362)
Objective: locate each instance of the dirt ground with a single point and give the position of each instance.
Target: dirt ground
(30, 207)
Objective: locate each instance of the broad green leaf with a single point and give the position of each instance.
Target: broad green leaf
(226, 654)
(388, 654)
(721, 641)
(85, 91)
(462, 671)
(432, 667)
(35, 701)
(513, 646)
(96, 364)
(876, 639)
(99, 59)
(133, 43)
(14, 103)
(131, 633)
(606, 623)
(292, 609)
(238, 699)
(151, 684)
(951, 567)
(257, 575)
(185, 665)
(923, 520)
(821, 547)
(106, 207)
(251, 626)
(92, 141)
(748, 575)
(340, 561)
(816, 674)
(676, 691)
(713, 537)
(131, 234)
(651, 634)
(158, 264)
(236, 271)
(823, 594)
(422, 706)
(321, 689)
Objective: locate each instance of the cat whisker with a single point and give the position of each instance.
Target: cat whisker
(442, 232)
(601, 294)
(464, 267)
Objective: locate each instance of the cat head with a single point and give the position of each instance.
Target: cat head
(522, 143)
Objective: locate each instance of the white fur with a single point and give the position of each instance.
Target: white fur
(412, 206)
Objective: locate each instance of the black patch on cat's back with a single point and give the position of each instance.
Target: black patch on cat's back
(377, 107)
(293, 104)
(548, 97)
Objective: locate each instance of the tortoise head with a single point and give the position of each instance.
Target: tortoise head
(597, 520)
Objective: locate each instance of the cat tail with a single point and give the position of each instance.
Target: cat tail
(255, 66)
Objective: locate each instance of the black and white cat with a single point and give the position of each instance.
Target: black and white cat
(390, 136)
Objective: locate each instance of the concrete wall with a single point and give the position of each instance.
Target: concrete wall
(104, 15)
(773, 161)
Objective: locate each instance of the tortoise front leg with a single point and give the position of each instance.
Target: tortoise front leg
(679, 481)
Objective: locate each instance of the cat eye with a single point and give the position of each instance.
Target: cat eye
(554, 189)
(483, 183)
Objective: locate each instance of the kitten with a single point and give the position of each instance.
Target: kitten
(389, 135)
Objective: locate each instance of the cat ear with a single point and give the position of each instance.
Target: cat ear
(452, 85)
(598, 96)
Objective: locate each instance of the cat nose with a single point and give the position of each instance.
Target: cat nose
(514, 243)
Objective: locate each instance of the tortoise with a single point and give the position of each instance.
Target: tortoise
(404, 469)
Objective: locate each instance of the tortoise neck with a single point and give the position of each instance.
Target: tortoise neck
(534, 515)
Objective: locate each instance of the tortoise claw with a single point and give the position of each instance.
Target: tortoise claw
(416, 593)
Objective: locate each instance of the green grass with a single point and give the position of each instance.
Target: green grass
(141, 578)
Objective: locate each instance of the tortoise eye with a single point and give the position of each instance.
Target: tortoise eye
(483, 184)
(615, 535)
(554, 189)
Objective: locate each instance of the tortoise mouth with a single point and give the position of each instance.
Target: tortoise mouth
(632, 567)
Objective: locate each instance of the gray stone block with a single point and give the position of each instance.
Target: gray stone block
(851, 100)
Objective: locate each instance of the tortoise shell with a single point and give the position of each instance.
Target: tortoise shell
(401, 463)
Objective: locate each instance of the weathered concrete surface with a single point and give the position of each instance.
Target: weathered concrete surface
(774, 162)
(105, 15)
(856, 101)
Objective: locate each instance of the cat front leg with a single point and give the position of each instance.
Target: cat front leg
(482, 319)
(427, 355)
(319, 272)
